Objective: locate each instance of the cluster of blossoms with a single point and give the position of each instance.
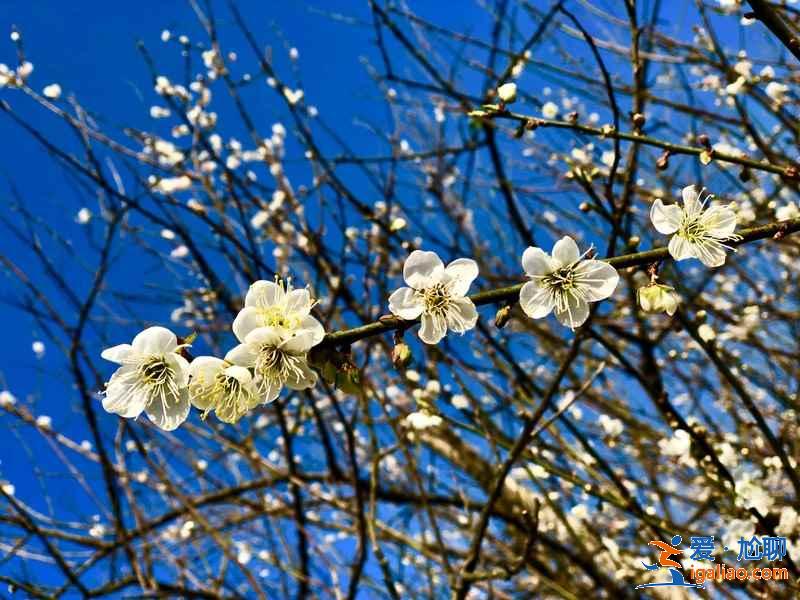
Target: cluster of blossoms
(276, 330)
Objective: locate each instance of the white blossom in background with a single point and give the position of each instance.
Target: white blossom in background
(565, 282)
(550, 110)
(436, 294)
(698, 230)
(170, 185)
(507, 93)
(52, 91)
(219, 386)
(152, 378)
(278, 358)
(277, 304)
(422, 420)
(84, 216)
(38, 348)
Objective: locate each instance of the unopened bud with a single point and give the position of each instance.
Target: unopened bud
(703, 140)
(401, 355)
(663, 162)
(638, 120)
(656, 298)
(502, 316)
(584, 207)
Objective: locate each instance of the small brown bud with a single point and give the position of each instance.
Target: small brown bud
(638, 120)
(502, 316)
(584, 207)
(704, 141)
(401, 355)
(663, 161)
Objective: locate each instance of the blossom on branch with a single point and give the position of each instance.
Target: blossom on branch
(278, 358)
(565, 282)
(226, 389)
(699, 231)
(436, 295)
(152, 379)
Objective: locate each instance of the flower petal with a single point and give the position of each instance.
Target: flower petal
(536, 301)
(304, 380)
(574, 314)
(406, 304)
(268, 390)
(155, 340)
(433, 328)
(680, 248)
(423, 269)
(272, 336)
(666, 218)
(536, 262)
(461, 272)
(461, 315)
(314, 327)
(710, 252)
(691, 200)
(598, 279)
(299, 343)
(248, 319)
(169, 413)
(206, 367)
(720, 222)
(565, 252)
(264, 294)
(240, 374)
(243, 355)
(298, 301)
(118, 354)
(122, 397)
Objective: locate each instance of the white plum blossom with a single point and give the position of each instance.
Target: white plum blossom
(278, 358)
(277, 304)
(436, 294)
(152, 378)
(507, 93)
(226, 389)
(656, 298)
(550, 110)
(421, 420)
(565, 283)
(52, 91)
(699, 231)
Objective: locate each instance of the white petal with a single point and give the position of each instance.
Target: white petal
(536, 301)
(243, 355)
(155, 340)
(270, 392)
(433, 329)
(711, 253)
(575, 313)
(121, 396)
(406, 304)
(180, 368)
(691, 200)
(536, 262)
(720, 222)
(307, 380)
(299, 343)
(240, 374)
(298, 301)
(265, 335)
(246, 321)
(310, 324)
(461, 272)
(598, 278)
(565, 252)
(118, 354)
(423, 269)
(264, 294)
(680, 249)
(171, 412)
(206, 367)
(666, 219)
(461, 315)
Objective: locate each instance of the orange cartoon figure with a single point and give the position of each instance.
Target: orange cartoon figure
(667, 551)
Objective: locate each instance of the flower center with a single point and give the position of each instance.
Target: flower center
(274, 366)
(276, 316)
(437, 298)
(156, 374)
(564, 285)
(693, 230)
